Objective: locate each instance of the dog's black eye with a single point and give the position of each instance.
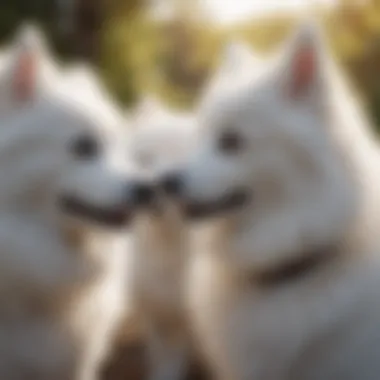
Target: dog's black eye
(85, 147)
(230, 142)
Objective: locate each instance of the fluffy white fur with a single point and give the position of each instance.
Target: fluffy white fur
(161, 140)
(62, 278)
(311, 166)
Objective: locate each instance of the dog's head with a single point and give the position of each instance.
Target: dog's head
(269, 160)
(161, 138)
(64, 158)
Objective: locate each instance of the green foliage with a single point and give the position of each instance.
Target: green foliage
(12, 12)
(129, 50)
(42, 12)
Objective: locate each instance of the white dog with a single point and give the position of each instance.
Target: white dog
(161, 139)
(65, 196)
(286, 278)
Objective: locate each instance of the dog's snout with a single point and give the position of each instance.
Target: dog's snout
(172, 184)
(143, 194)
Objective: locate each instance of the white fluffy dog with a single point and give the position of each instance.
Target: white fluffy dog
(65, 196)
(161, 139)
(285, 281)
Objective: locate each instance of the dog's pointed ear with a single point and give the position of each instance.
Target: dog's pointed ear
(303, 70)
(29, 51)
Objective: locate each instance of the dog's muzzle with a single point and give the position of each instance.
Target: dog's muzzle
(174, 186)
(137, 196)
(231, 202)
(144, 195)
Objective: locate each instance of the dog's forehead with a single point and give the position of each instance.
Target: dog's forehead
(55, 124)
(237, 108)
(173, 130)
(75, 119)
(159, 144)
(90, 103)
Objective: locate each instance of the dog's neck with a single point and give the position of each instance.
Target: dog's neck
(269, 272)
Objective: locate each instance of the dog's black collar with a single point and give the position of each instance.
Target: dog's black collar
(294, 269)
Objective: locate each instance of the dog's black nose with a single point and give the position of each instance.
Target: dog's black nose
(172, 184)
(143, 194)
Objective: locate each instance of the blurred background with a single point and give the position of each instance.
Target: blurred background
(170, 47)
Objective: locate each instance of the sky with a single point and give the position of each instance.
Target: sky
(229, 11)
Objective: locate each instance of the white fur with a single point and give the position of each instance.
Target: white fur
(62, 279)
(312, 167)
(162, 140)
